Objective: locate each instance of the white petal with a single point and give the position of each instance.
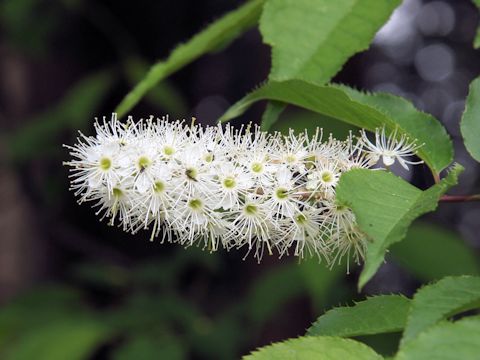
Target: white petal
(284, 175)
(388, 160)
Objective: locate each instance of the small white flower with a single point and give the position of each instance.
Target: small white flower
(234, 183)
(114, 132)
(305, 233)
(114, 204)
(252, 226)
(95, 165)
(192, 174)
(170, 138)
(293, 151)
(155, 204)
(281, 196)
(344, 236)
(323, 178)
(193, 216)
(390, 149)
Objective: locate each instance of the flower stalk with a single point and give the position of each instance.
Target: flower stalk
(221, 187)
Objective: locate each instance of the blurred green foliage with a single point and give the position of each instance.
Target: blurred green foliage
(43, 19)
(164, 94)
(148, 314)
(430, 252)
(73, 112)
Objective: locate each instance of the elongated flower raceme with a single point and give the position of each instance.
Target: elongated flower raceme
(221, 187)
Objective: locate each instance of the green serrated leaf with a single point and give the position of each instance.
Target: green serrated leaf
(446, 341)
(312, 39)
(222, 31)
(436, 302)
(376, 315)
(385, 206)
(452, 255)
(315, 347)
(470, 123)
(368, 111)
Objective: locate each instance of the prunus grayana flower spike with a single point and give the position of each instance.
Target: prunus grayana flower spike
(222, 187)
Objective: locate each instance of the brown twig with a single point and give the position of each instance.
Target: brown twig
(460, 198)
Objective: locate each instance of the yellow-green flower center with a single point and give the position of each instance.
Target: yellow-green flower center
(251, 209)
(301, 219)
(105, 163)
(158, 186)
(195, 204)
(208, 157)
(229, 183)
(191, 173)
(168, 150)
(281, 193)
(143, 162)
(327, 176)
(257, 167)
(117, 192)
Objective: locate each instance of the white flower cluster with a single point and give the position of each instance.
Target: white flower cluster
(219, 186)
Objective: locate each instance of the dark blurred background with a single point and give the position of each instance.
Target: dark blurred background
(96, 293)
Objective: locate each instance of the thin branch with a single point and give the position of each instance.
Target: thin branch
(460, 198)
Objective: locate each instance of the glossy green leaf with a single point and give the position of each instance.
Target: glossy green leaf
(312, 39)
(450, 254)
(301, 120)
(447, 297)
(368, 111)
(385, 206)
(222, 31)
(376, 315)
(470, 123)
(445, 341)
(315, 347)
(74, 111)
(73, 339)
